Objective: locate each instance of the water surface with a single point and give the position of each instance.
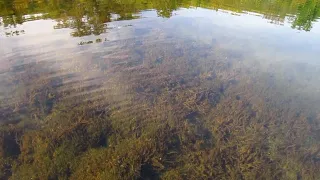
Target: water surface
(159, 89)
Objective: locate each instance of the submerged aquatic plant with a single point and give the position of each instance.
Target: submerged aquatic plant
(199, 120)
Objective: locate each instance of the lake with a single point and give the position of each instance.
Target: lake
(172, 89)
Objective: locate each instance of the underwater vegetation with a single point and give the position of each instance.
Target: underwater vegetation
(163, 110)
(14, 33)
